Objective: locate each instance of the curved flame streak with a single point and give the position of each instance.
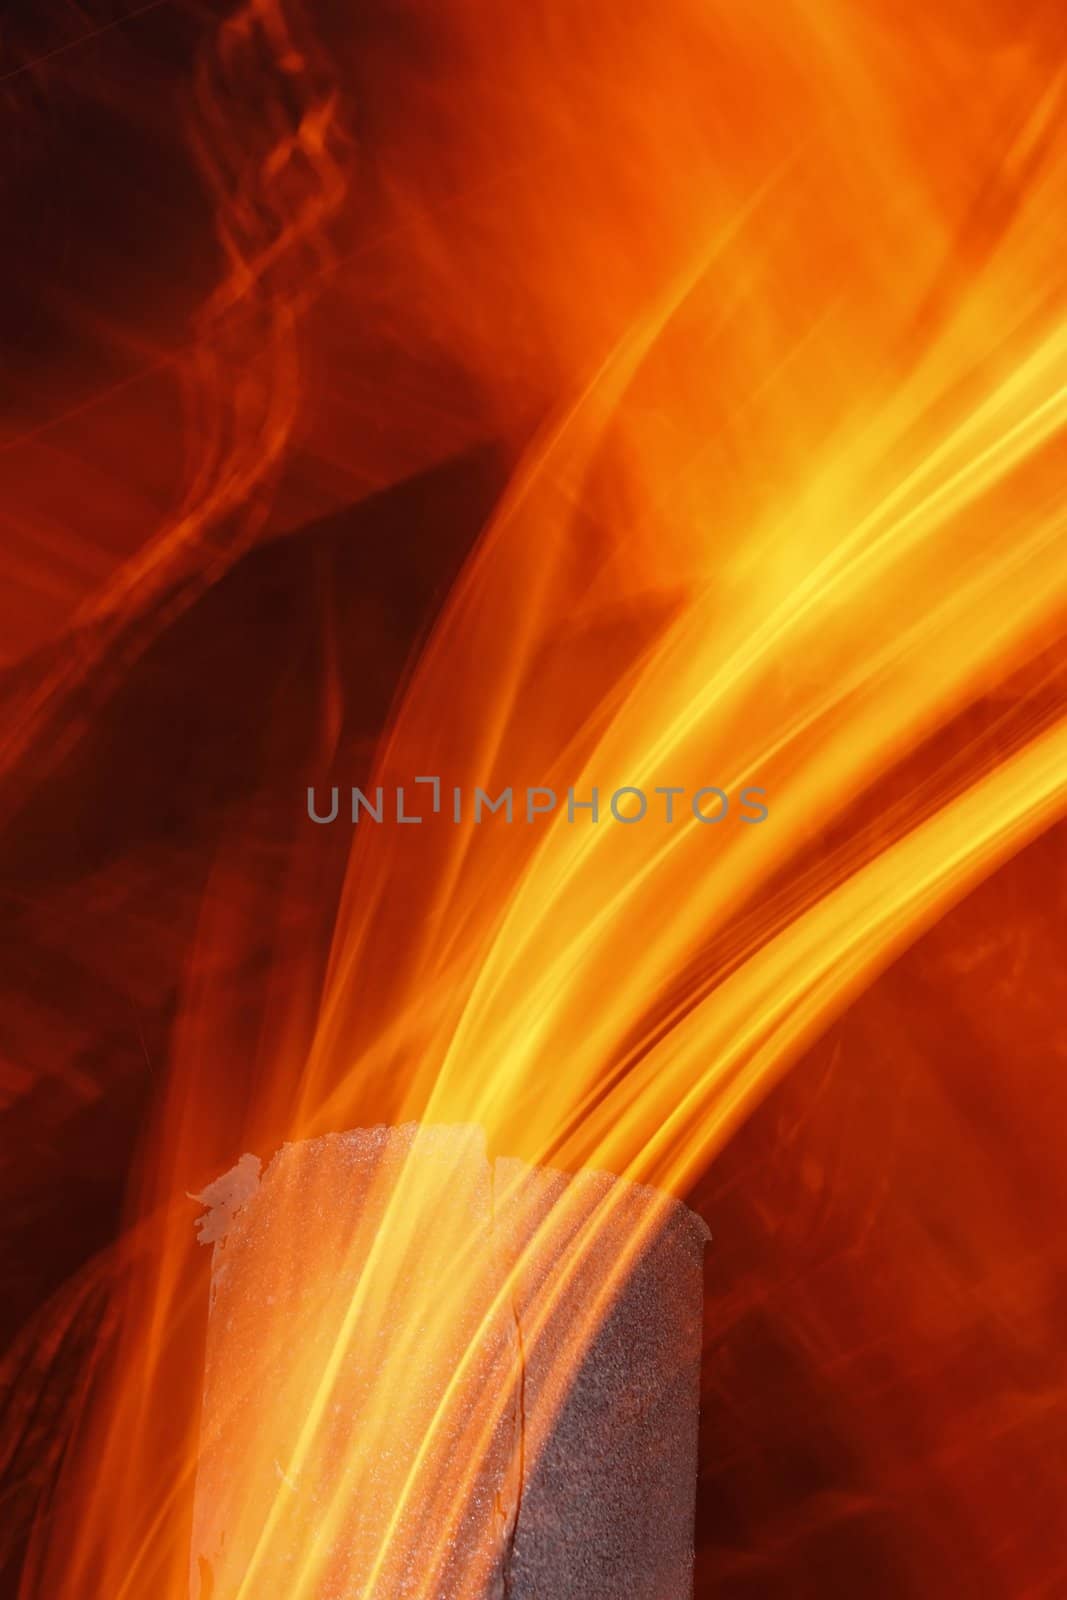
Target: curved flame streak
(278, 180)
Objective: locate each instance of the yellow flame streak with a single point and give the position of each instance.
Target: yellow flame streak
(676, 1107)
(1021, 796)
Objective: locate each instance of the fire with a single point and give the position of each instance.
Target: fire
(772, 322)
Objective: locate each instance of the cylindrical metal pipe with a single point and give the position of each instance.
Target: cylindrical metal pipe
(433, 1375)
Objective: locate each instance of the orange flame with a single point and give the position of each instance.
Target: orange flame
(776, 318)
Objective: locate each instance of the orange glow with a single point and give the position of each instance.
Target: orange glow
(770, 316)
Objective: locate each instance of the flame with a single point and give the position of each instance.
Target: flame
(773, 323)
(277, 183)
